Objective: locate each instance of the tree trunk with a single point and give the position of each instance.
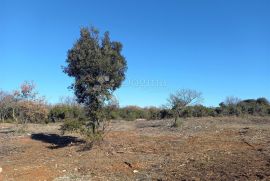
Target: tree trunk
(94, 128)
(175, 120)
(13, 115)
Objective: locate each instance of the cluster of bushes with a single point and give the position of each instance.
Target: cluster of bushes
(256, 107)
(231, 107)
(62, 112)
(131, 113)
(25, 106)
(39, 112)
(66, 112)
(198, 111)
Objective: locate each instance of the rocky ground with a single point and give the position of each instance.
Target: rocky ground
(201, 149)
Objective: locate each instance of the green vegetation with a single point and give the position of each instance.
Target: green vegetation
(99, 69)
(62, 112)
(22, 107)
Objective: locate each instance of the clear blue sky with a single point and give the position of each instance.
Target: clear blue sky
(219, 47)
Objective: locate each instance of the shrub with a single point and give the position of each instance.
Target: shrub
(152, 113)
(263, 101)
(98, 67)
(165, 114)
(186, 112)
(200, 111)
(64, 111)
(72, 125)
(32, 111)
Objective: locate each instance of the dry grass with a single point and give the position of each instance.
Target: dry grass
(226, 148)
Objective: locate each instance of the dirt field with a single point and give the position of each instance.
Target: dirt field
(201, 149)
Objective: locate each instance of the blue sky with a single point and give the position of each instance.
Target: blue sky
(218, 47)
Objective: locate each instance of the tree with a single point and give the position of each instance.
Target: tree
(263, 101)
(231, 106)
(232, 101)
(5, 105)
(98, 67)
(181, 99)
(30, 107)
(8, 105)
(23, 105)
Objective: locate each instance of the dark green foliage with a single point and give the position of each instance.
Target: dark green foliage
(150, 113)
(64, 111)
(72, 125)
(254, 107)
(263, 101)
(130, 113)
(153, 113)
(165, 113)
(98, 68)
(249, 101)
(186, 112)
(259, 107)
(198, 111)
(202, 111)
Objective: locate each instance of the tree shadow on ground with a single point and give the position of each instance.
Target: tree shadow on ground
(56, 140)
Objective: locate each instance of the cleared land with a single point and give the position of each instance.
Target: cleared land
(202, 149)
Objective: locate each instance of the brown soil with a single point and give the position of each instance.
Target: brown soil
(201, 149)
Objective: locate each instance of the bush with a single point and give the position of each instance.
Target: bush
(71, 125)
(165, 114)
(254, 107)
(64, 111)
(152, 113)
(186, 112)
(263, 101)
(81, 127)
(200, 111)
(131, 113)
(32, 111)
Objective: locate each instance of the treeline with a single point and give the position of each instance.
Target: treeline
(26, 106)
(254, 107)
(234, 106)
(62, 112)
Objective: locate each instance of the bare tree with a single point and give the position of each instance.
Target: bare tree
(68, 100)
(3, 105)
(232, 101)
(7, 106)
(181, 99)
(31, 107)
